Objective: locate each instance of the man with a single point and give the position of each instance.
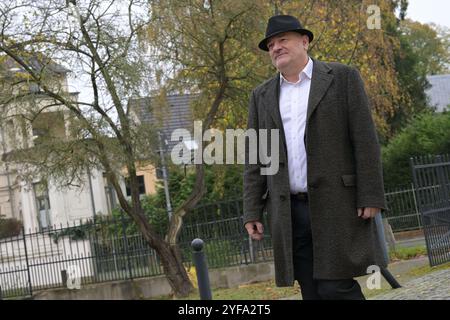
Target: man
(329, 186)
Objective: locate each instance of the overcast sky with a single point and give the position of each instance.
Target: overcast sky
(427, 11)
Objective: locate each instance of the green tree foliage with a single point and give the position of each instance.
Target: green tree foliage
(428, 133)
(424, 50)
(412, 82)
(222, 182)
(430, 43)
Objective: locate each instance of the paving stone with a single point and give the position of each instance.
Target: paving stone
(433, 286)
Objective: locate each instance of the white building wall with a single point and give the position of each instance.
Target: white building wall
(68, 205)
(29, 210)
(98, 189)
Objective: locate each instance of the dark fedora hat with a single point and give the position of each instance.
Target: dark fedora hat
(283, 23)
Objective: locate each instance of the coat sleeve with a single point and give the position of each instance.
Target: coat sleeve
(255, 184)
(366, 148)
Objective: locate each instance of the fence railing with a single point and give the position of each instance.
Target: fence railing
(403, 206)
(402, 210)
(103, 250)
(431, 176)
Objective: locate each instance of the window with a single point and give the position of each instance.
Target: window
(141, 183)
(43, 206)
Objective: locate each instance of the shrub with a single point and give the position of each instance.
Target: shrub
(9, 227)
(429, 133)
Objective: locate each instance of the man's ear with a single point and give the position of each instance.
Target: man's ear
(305, 42)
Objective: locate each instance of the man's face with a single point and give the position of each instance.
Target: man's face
(288, 50)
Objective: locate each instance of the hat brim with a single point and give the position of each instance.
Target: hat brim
(263, 44)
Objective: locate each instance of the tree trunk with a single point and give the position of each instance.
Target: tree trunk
(170, 258)
(174, 270)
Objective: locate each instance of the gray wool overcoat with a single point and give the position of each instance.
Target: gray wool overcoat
(344, 173)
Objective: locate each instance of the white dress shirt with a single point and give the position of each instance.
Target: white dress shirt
(294, 99)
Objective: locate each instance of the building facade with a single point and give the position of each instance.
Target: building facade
(38, 204)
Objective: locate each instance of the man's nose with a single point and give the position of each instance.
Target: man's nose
(276, 48)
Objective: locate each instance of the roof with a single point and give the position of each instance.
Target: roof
(439, 92)
(37, 64)
(177, 116)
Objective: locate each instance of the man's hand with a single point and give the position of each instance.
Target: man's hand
(255, 229)
(367, 213)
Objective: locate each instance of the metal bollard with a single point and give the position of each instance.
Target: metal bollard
(390, 278)
(201, 269)
(384, 271)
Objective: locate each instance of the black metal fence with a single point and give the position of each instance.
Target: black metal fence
(227, 243)
(402, 211)
(105, 250)
(431, 176)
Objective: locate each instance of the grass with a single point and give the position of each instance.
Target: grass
(406, 253)
(372, 293)
(254, 291)
(421, 271)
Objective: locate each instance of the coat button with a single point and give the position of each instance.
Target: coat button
(282, 197)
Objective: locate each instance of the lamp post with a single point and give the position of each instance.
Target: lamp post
(164, 174)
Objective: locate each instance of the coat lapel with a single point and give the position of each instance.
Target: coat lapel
(320, 82)
(271, 100)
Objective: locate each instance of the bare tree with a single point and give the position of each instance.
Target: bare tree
(99, 41)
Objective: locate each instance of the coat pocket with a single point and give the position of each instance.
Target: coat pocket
(349, 180)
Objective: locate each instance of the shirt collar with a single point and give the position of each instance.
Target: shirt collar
(307, 71)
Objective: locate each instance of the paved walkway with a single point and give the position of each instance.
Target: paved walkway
(433, 286)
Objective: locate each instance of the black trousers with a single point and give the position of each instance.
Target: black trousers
(314, 289)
